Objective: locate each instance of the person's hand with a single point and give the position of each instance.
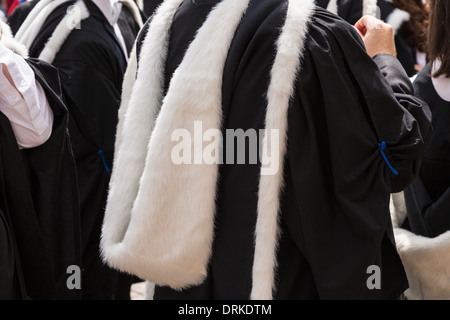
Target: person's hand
(378, 36)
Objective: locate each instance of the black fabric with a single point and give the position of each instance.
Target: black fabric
(11, 276)
(335, 204)
(129, 27)
(405, 54)
(19, 14)
(428, 197)
(349, 10)
(40, 200)
(91, 64)
(150, 6)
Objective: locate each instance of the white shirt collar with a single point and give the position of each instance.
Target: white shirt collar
(110, 9)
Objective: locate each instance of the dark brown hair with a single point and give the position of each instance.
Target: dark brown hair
(414, 32)
(439, 35)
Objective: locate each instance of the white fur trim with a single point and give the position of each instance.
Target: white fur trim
(397, 18)
(30, 19)
(140, 4)
(427, 264)
(9, 42)
(72, 19)
(134, 10)
(332, 6)
(397, 207)
(129, 80)
(139, 120)
(369, 7)
(39, 16)
(285, 69)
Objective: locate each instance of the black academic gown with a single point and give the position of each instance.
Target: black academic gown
(129, 27)
(91, 64)
(428, 197)
(39, 207)
(150, 6)
(349, 10)
(335, 205)
(126, 22)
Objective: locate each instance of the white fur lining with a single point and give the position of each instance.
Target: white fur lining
(35, 20)
(71, 20)
(427, 264)
(397, 18)
(155, 226)
(129, 80)
(129, 158)
(283, 75)
(30, 19)
(134, 8)
(9, 42)
(333, 6)
(369, 7)
(140, 4)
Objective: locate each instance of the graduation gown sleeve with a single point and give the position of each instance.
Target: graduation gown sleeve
(10, 273)
(42, 200)
(356, 129)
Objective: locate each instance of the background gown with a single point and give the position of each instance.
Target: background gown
(428, 197)
(39, 210)
(91, 64)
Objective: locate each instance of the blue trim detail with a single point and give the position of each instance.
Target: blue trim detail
(382, 147)
(100, 153)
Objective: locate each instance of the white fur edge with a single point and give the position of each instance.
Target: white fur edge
(9, 42)
(397, 208)
(140, 4)
(333, 6)
(169, 239)
(134, 10)
(31, 18)
(427, 264)
(140, 113)
(397, 18)
(31, 33)
(285, 69)
(62, 31)
(369, 7)
(129, 80)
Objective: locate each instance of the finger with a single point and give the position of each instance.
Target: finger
(359, 32)
(368, 23)
(361, 26)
